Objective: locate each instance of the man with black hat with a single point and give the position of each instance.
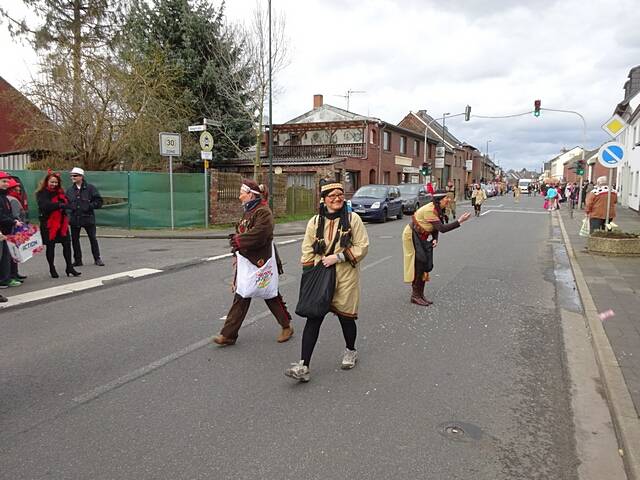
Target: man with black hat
(83, 200)
(420, 237)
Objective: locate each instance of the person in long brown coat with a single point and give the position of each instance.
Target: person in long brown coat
(253, 240)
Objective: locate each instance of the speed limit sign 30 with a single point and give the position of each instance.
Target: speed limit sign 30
(170, 144)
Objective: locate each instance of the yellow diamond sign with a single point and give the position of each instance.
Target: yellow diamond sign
(614, 126)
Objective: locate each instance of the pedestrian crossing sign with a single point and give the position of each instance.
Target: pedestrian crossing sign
(614, 126)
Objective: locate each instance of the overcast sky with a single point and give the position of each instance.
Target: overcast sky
(496, 55)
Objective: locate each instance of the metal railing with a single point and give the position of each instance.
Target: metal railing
(320, 151)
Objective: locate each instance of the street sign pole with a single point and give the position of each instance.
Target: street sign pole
(608, 219)
(171, 188)
(206, 195)
(170, 146)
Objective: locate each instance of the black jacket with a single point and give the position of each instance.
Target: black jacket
(82, 203)
(6, 216)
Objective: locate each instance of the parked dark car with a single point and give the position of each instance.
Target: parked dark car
(377, 202)
(413, 196)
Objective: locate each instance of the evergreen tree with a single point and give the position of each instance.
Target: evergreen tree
(194, 39)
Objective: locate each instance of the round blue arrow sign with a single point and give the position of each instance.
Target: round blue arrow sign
(611, 154)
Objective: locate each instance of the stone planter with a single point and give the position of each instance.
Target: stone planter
(614, 246)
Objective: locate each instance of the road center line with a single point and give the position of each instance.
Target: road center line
(118, 382)
(140, 372)
(377, 262)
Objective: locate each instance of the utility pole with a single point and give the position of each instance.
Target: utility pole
(270, 149)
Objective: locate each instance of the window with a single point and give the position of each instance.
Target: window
(386, 141)
(387, 178)
(416, 148)
(373, 139)
(403, 144)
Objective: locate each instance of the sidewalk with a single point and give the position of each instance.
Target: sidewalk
(281, 229)
(612, 284)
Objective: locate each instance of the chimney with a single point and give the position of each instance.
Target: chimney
(317, 101)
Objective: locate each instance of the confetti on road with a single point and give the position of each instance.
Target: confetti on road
(606, 314)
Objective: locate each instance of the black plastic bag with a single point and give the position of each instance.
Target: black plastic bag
(424, 251)
(316, 291)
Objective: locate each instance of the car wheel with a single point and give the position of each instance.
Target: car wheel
(384, 216)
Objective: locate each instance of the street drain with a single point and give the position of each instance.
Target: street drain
(460, 431)
(158, 250)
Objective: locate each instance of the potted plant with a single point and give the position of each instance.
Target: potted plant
(614, 242)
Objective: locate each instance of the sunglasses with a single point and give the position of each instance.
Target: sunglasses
(75, 175)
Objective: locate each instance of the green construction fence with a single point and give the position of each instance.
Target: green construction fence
(134, 199)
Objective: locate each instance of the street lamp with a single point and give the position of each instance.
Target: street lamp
(444, 146)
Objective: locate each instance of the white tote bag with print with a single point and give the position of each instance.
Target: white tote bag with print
(257, 282)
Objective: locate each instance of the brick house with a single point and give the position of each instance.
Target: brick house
(463, 163)
(335, 143)
(15, 153)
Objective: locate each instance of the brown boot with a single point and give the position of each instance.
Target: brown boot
(417, 294)
(285, 334)
(223, 341)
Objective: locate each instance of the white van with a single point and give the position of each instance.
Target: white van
(523, 184)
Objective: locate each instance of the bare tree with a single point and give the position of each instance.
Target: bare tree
(252, 96)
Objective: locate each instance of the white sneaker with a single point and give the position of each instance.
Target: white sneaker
(349, 359)
(298, 371)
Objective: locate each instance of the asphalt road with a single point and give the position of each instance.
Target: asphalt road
(120, 382)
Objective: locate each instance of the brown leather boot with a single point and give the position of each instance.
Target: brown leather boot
(285, 334)
(223, 341)
(417, 294)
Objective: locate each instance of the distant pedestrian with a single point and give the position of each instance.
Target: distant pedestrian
(54, 222)
(596, 205)
(516, 194)
(451, 208)
(19, 213)
(7, 223)
(254, 241)
(419, 238)
(478, 196)
(551, 198)
(586, 188)
(84, 199)
(334, 230)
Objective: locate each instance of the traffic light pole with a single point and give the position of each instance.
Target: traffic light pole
(584, 142)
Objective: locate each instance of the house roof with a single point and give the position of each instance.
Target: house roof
(328, 113)
(436, 128)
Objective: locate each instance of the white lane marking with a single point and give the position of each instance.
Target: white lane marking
(217, 257)
(140, 372)
(377, 262)
(74, 287)
(515, 211)
(118, 382)
(135, 374)
(227, 255)
(286, 242)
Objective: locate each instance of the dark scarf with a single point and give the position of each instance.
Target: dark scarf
(344, 228)
(251, 204)
(58, 221)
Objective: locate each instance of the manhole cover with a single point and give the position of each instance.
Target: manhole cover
(460, 431)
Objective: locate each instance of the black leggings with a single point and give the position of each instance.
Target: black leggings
(312, 330)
